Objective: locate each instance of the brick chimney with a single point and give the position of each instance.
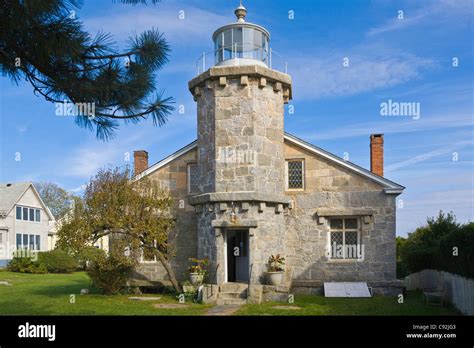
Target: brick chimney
(376, 154)
(140, 161)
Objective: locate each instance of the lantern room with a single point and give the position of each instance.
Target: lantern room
(241, 43)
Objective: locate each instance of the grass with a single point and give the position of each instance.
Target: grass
(49, 294)
(378, 305)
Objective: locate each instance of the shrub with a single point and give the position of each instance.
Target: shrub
(87, 255)
(58, 261)
(26, 265)
(110, 272)
(442, 244)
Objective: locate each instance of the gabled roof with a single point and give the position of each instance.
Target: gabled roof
(389, 186)
(11, 193)
(167, 160)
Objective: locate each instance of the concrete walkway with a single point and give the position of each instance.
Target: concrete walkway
(221, 310)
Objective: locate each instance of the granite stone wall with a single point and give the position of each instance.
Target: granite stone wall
(183, 237)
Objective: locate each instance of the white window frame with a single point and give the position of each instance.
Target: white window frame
(188, 177)
(343, 230)
(142, 258)
(27, 246)
(287, 174)
(35, 211)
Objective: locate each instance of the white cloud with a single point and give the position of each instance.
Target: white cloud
(371, 67)
(429, 155)
(405, 125)
(437, 13)
(197, 25)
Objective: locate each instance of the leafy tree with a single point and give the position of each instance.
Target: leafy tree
(442, 244)
(57, 199)
(42, 42)
(134, 214)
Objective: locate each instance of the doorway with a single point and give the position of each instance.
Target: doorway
(237, 247)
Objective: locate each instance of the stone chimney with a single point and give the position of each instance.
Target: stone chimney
(140, 161)
(376, 154)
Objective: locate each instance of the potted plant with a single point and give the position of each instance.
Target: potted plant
(275, 269)
(197, 271)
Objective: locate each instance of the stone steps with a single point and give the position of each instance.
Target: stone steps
(232, 294)
(231, 301)
(233, 287)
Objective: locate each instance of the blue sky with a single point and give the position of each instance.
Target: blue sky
(335, 107)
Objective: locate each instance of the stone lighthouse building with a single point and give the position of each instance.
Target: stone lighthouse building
(245, 189)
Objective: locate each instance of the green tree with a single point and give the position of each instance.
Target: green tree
(42, 42)
(442, 244)
(57, 199)
(134, 214)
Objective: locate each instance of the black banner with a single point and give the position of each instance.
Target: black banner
(166, 330)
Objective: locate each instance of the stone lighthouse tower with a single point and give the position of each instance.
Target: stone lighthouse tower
(240, 202)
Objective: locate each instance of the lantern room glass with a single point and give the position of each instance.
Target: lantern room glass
(241, 42)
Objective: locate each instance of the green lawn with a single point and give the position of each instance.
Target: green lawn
(378, 305)
(49, 294)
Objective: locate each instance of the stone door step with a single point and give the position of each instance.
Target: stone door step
(232, 295)
(231, 301)
(233, 287)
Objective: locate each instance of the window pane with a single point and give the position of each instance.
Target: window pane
(351, 245)
(193, 178)
(18, 213)
(228, 49)
(248, 43)
(336, 224)
(32, 242)
(38, 215)
(237, 32)
(351, 224)
(25, 215)
(32, 214)
(336, 245)
(295, 174)
(148, 254)
(25, 241)
(18, 241)
(38, 242)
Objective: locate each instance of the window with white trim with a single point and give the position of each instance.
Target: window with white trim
(28, 214)
(28, 241)
(149, 255)
(193, 177)
(295, 174)
(344, 238)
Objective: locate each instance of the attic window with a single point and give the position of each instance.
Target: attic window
(295, 174)
(28, 214)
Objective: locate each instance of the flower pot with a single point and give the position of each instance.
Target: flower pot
(275, 278)
(196, 278)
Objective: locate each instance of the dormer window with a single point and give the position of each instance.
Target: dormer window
(295, 174)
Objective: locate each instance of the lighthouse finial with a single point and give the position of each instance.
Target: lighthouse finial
(240, 12)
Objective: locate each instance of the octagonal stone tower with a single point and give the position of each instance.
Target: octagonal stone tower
(241, 165)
